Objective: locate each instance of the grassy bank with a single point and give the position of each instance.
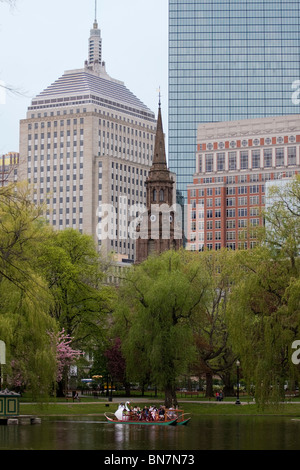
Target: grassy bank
(85, 408)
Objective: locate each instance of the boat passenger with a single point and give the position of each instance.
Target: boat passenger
(161, 413)
(171, 413)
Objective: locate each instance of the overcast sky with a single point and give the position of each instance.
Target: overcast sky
(41, 39)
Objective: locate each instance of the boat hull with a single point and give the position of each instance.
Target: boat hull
(114, 420)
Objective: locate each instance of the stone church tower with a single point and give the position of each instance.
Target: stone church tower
(160, 226)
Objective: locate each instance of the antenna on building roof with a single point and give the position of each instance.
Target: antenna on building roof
(95, 22)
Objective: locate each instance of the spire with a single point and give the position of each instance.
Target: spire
(159, 157)
(95, 22)
(95, 43)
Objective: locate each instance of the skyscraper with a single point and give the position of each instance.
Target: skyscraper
(87, 143)
(228, 60)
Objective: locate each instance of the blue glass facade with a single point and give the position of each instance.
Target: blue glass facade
(228, 60)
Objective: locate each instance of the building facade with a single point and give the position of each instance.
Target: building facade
(87, 145)
(9, 168)
(228, 60)
(234, 163)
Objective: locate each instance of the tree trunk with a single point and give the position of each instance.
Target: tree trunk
(170, 397)
(209, 385)
(127, 389)
(228, 384)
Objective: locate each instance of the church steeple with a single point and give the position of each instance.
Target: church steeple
(159, 157)
(159, 230)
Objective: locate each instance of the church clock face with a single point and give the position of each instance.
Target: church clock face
(153, 218)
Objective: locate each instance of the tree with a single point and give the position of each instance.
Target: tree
(116, 364)
(282, 217)
(214, 354)
(24, 297)
(264, 320)
(156, 305)
(72, 268)
(65, 357)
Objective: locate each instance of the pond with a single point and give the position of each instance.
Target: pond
(202, 433)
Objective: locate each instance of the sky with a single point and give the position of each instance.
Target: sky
(40, 39)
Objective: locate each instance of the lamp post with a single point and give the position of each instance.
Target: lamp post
(238, 383)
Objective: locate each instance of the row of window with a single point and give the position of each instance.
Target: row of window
(230, 246)
(245, 160)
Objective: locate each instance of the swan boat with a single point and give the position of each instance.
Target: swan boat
(124, 415)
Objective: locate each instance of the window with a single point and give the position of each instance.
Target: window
(291, 155)
(279, 156)
(243, 212)
(230, 213)
(267, 158)
(243, 201)
(254, 200)
(256, 159)
(230, 201)
(254, 189)
(209, 162)
(232, 160)
(220, 161)
(242, 223)
(230, 236)
(230, 223)
(244, 160)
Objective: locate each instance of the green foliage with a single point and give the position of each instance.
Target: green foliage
(154, 316)
(72, 268)
(24, 299)
(49, 281)
(282, 217)
(263, 322)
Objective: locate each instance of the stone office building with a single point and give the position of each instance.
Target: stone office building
(86, 143)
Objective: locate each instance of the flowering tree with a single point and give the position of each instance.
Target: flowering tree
(65, 355)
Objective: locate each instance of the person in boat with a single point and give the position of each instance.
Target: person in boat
(154, 413)
(161, 413)
(171, 413)
(145, 413)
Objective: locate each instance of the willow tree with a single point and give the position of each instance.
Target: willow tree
(214, 352)
(282, 216)
(264, 320)
(157, 302)
(24, 297)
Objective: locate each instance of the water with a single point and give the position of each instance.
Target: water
(202, 433)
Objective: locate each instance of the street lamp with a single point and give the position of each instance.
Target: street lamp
(238, 383)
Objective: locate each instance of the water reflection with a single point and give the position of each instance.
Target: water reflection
(202, 433)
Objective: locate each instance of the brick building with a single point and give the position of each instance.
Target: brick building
(234, 161)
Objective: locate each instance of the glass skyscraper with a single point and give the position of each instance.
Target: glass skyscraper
(228, 60)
